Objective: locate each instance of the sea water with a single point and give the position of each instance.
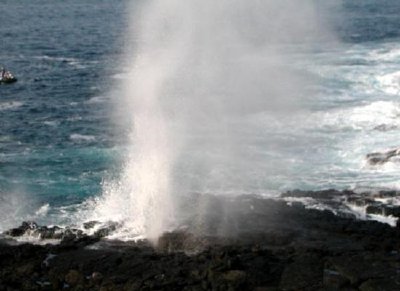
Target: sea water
(62, 144)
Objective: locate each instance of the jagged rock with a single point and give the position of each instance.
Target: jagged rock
(106, 230)
(385, 127)
(44, 232)
(21, 230)
(382, 209)
(324, 194)
(359, 201)
(90, 224)
(388, 193)
(275, 247)
(379, 158)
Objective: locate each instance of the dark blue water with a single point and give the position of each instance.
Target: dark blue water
(57, 138)
(361, 21)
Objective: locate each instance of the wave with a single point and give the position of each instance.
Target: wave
(82, 137)
(96, 100)
(74, 62)
(363, 117)
(18, 206)
(52, 123)
(10, 105)
(389, 83)
(386, 53)
(56, 59)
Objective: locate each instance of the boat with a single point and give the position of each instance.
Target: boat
(7, 78)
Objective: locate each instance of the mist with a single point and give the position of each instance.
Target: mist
(197, 72)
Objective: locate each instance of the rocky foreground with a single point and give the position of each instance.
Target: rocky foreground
(245, 243)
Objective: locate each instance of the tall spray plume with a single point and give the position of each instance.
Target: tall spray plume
(196, 69)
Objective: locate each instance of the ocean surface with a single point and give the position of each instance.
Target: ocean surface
(60, 143)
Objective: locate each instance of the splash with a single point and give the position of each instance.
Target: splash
(195, 70)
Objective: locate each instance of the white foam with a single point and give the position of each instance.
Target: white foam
(56, 59)
(385, 53)
(52, 123)
(74, 118)
(10, 105)
(389, 83)
(96, 100)
(310, 203)
(82, 137)
(361, 213)
(43, 210)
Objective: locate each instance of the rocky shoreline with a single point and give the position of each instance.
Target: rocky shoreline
(244, 243)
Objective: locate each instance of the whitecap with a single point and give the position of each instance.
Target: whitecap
(56, 59)
(361, 213)
(51, 123)
(389, 83)
(82, 137)
(10, 105)
(96, 99)
(368, 116)
(74, 118)
(384, 54)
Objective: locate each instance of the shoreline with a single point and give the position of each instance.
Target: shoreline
(245, 243)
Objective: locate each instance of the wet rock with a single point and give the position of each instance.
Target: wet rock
(388, 193)
(385, 127)
(376, 208)
(44, 232)
(382, 209)
(392, 210)
(324, 194)
(71, 234)
(90, 224)
(359, 201)
(21, 230)
(379, 158)
(106, 230)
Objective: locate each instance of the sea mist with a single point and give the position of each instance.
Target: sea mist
(196, 73)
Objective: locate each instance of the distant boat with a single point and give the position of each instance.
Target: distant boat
(7, 78)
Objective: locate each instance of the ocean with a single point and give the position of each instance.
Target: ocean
(62, 141)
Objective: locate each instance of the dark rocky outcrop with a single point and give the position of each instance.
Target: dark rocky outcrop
(379, 158)
(268, 246)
